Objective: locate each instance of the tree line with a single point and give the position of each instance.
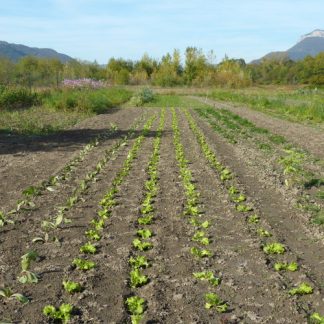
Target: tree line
(197, 69)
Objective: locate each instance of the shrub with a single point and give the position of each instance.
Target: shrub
(16, 98)
(144, 96)
(86, 100)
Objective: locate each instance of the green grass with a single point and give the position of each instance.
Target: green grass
(298, 105)
(175, 101)
(61, 109)
(38, 121)
(86, 100)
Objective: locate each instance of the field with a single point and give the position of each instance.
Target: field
(182, 210)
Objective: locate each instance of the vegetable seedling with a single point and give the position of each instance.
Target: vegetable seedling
(264, 233)
(142, 246)
(63, 313)
(145, 220)
(303, 289)
(243, 208)
(200, 253)
(98, 224)
(214, 301)
(137, 279)
(280, 266)
(7, 293)
(144, 233)
(139, 262)
(209, 276)
(274, 248)
(136, 307)
(28, 277)
(93, 235)
(83, 264)
(253, 219)
(316, 318)
(4, 220)
(88, 248)
(201, 238)
(72, 287)
(27, 258)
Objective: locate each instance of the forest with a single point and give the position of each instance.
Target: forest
(193, 68)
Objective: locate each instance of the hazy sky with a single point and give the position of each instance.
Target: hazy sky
(100, 29)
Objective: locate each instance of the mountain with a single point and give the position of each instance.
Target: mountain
(309, 44)
(16, 51)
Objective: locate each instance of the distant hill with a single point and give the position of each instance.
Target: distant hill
(15, 52)
(310, 44)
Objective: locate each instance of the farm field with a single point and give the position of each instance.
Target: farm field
(180, 211)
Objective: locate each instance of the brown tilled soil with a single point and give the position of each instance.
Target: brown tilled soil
(254, 292)
(307, 137)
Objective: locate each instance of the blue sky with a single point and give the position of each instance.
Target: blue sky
(100, 29)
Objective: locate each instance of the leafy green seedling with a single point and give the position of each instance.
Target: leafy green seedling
(137, 279)
(7, 293)
(239, 198)
(88, 248)
(147, 209)
(194, 221)
(144, 233)
(31, 192)
(63, 313)
(27, 258)
(4, 220)
(104, 213)
(71, 201)
(243, 208)
(200, 253)
(142, 246)
(214, 301)
(280, 266)
(191, 210)
(145, 220)
(253, 219)
(200, 237)
(139, 262)
(136, 307)
(72, 287)
(226, 175)
(93, 235)
(274, 248)
(28, 277)
(205, 224)
(264, 233)
(233, 190)
(209, 276)
(316, 318)
(83, 264)
(303, 289)
(98, 224)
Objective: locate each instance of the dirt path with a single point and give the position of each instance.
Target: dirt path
(309, 138)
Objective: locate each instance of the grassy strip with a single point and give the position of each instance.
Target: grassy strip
(288, 106)
(59, 109)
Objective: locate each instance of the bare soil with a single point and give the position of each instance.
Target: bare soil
(254, 292)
